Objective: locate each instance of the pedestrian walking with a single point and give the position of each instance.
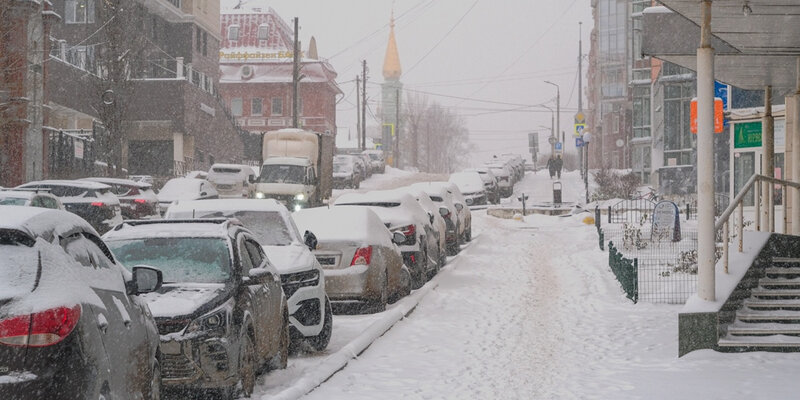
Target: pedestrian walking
(559, 163)
(551, 167)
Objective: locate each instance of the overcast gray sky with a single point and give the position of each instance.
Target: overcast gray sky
(492, 50)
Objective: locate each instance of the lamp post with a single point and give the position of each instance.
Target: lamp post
(558, 112)
(552, 129)
(587, 137)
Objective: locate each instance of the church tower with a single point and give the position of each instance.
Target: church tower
(391, 93)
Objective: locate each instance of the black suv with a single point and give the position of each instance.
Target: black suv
(93, 201)
(72, 325)
(221, 312)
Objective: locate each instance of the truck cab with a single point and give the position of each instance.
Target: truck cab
(290, 180)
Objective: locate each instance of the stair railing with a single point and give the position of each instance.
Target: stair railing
(737, 204)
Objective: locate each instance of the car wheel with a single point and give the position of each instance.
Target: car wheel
(280, 359)
(247, 365)
(154, 389)
(320, 342)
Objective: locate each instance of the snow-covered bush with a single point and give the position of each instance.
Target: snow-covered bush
(613, 184)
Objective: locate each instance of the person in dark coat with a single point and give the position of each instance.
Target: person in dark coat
(551, 166)
(559, 163)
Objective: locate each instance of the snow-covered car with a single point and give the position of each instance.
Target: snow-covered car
(142, 178)
(439, 223)
(376, 160)
(367, 163)
(232, 180)
(137, 199)
(362, 263)
(72, 325)
(221, 311)
(345, 173)
(197, 175)
(93, 201)
(471, 186)
(177, 189)
(489, 183)
(504, 178)
(400, 212)
(464, 214)
(29, 198)
(302, 277)
(448, 210)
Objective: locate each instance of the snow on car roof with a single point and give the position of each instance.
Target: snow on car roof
(21, 193)
(467, 181)
(229, 204)
(375, 196)
(239, 167)
(74, 183)
(42, 222)
(356, 224)
(172, 228)
(118, 181)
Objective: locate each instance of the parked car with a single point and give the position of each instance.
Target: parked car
(471, 186)
(448, 210)
(464, 214)
(438, 222)
(92, 201)
(504, 178)
(489, 183)
(367, 163)
(376, 160)
(232, 180)
(363, 264)
(185, 189)
(301, 275)
(221, 312)
(142, 178)
(137, 199)
(197, 175)
(361, 166)
(401, 213)
(72, 325)
(29, 198)
(345, 173)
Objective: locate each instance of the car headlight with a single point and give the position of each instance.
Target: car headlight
(214, 323)
(260, 195)
(300, 197)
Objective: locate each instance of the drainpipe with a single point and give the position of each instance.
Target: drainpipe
(705, 165)
(795, 176)
(768, 164)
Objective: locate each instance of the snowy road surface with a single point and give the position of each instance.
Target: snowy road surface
(531, 311)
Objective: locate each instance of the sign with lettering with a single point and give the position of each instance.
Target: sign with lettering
(747, 134)
(666, 222)
(257, 55)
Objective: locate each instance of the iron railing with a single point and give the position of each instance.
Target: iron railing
(631, 211)
(626, 271)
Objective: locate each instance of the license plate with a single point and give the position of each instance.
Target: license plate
(327, 260)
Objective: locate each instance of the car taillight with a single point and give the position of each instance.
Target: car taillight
(408, 230)
(363, 256)
(97, 204)
(140, 201)
(41, 329)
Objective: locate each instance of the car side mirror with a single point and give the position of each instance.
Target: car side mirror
(459, 207)
(430, 216)
(145, 280)
(398, 237)
(310, 240)
(258, 276)
(443, 211)
(251, 179)
(203, 194)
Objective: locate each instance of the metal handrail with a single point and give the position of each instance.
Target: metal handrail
(737, 204)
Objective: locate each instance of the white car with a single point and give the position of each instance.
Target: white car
(489, 183)
(471, 186)
(302, 277)
(438, 221)
(180, 189)
(400, 212)
(448, 210)
(232, 180)
(29, 198)
(376, 160)
(505, 178)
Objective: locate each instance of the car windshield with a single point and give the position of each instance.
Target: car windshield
(337, 167)
(269, 226)
(282, 174)
(374, 157)
(12, 201)
(181, 259)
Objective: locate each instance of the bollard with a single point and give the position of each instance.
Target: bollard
(609, 214)
(556, 192)
(597, 216)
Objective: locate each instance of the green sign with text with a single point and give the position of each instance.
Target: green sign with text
(747, 134)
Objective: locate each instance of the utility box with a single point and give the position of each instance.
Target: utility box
(556, 192)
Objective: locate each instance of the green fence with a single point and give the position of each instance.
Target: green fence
(626, 272)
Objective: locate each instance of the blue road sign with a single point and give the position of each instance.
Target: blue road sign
(578, 142)
(558, 146)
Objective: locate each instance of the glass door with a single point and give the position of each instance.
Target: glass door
(744, 166)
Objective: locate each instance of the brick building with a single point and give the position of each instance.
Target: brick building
(256, 62)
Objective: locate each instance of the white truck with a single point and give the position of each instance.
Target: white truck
(297, 168)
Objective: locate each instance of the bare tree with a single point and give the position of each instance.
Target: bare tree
(436, 138)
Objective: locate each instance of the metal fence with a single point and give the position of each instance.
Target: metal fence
(626, 271)
(631, 211)
(667, 281)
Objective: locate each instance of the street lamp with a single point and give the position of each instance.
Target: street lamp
(587, 137)
(558, 112)
(552, 130)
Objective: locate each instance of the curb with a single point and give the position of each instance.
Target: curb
(339, 360)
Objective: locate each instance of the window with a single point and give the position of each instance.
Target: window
(79, 11)
(641, 112)
(263, 32)
(256, 107)
(678, 139)
(233, 32)
(277, 106)
(236, 107)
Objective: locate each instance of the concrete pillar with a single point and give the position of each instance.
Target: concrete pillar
(179, 67)
(705, 165)
(768, 163)
(795, 172)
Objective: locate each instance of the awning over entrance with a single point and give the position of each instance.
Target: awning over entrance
(757, 42)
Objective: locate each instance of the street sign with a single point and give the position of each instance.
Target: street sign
(558, 146)
(552, 140)
(719, 118)
(579, 129)
(578, 142)
(580, 123)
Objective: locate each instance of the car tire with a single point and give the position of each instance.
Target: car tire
(281, 359)
(154, 388)
(247, 366)
(320, 342)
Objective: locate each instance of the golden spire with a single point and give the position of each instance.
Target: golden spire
(391, 63)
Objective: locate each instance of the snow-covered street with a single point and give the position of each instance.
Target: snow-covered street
(531, 310)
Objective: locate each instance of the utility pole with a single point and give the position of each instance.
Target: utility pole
(583, 152)
(358, 110)
(296, 76)
(397, 163)
(364, 106)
